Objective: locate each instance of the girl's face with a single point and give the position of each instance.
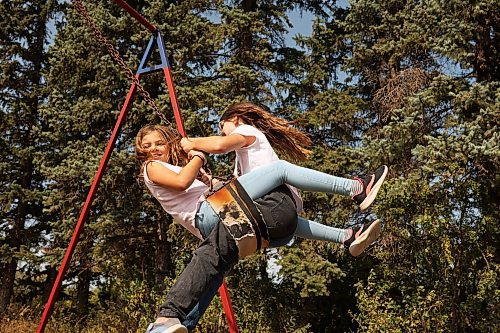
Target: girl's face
(228, 126)
(156, 145)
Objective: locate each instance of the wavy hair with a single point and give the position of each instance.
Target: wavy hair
(175, 153)
(287, 140)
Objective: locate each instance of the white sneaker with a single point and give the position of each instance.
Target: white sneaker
(172, 325)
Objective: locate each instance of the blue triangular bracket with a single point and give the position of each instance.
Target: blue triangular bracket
(156, 37)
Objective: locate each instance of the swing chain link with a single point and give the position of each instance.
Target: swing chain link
(117, 57)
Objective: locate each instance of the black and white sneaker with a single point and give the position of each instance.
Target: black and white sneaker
(362, 236)
(370, 186)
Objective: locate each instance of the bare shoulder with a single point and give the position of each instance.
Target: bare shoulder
(157, 171)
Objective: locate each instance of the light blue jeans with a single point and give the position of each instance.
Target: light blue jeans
(261, 181)
(266, 178)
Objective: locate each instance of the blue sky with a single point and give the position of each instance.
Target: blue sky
(302, 22)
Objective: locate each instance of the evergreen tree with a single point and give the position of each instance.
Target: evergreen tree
(423, 66)
(23, 226)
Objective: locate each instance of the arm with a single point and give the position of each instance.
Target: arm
(165, 177)
(217, 144)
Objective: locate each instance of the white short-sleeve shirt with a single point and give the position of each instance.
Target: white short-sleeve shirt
(256, 155)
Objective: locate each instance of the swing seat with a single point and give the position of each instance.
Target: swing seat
(241, 217)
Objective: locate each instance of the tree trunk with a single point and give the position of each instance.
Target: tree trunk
(83, 292)
(163, 249)
(7, 276)
(49, 282)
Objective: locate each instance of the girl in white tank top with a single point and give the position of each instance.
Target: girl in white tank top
(171, 176)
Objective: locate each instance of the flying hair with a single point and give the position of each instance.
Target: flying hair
(288, 141)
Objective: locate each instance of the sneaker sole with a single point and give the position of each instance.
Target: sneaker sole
(373, 193)
(365, 239)
(177, 328)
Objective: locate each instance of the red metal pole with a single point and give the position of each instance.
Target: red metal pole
(173, 100)
(84, 213)
(136, 15)
(228, 308)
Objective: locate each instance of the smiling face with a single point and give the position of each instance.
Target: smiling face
(160, 142)
(156, 145)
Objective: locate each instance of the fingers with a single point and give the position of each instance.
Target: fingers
(186, 144)
(205, 177)
(193, 152)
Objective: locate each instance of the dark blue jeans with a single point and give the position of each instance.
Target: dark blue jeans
(213, 259)
(279, 212)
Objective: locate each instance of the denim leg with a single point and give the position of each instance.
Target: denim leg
(215, 257)
(262, 180)
(206, 219)
(194, 316)
(313, 230)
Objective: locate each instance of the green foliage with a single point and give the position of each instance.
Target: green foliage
(410, 84)
(23, 44)
(308, 272)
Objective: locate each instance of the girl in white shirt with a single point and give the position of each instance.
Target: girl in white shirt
(252, 133)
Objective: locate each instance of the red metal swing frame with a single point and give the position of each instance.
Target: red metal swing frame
(165, 67)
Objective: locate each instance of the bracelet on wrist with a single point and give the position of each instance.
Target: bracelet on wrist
(203, 160)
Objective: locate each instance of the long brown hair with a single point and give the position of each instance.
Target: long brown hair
(175, 153)
(287, 140)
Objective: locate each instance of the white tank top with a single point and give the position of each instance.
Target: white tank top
(182, 205)
(256, 155)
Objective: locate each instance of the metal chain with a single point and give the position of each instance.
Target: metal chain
(116, 56)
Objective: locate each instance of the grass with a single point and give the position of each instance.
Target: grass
(26, 319)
